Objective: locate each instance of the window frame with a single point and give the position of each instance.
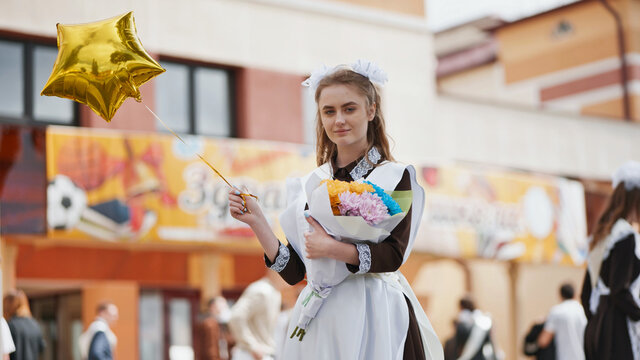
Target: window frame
(29, 44)
(191, 66)
(192, 295)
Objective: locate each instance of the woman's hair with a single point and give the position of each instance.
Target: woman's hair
(467, 303)
(15, 303)
(622, 204)
(376, 134)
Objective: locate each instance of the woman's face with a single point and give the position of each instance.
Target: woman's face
(345, 116)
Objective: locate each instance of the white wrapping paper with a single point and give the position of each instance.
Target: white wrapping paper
(324, 273)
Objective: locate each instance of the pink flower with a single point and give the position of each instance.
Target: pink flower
(368, 205)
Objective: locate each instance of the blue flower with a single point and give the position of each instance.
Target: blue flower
(391, 204)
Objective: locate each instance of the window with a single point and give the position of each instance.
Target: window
(24, 69)
(180, 329)
(562, 29)
(151, 325)
(193, 99)
(167, 321)
(11, 79)
(48, 108)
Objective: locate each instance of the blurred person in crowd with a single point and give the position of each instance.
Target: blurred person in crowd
(5, 334)
(98, 342)
(450, 346)
(566, 322)
(224, 316)
(472, 338)
(7, 341)
(210, 340)
(253, 319)
(611, 289)
(531, 347)
(25, 331)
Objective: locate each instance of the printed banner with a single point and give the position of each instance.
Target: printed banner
(136, 187)
(479, 213)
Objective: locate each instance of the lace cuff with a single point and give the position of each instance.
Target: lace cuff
(281, 259)
(364, 255)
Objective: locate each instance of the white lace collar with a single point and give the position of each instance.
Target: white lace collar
(364, 166)
(327, 171)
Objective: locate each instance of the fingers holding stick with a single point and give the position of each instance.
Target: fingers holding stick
(244, 194)
(242, 200)
(237, 205)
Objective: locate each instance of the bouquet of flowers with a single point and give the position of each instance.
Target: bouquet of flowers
(364, 199)
(355, 212)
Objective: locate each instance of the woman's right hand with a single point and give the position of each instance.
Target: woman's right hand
(244, 209)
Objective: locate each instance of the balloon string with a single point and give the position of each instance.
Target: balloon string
(200, 156)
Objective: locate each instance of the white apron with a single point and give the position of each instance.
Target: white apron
(366, 316)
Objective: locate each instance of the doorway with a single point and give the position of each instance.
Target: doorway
(60, 318)
(167, 323)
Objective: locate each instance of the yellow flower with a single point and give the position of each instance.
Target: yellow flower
(360, 187)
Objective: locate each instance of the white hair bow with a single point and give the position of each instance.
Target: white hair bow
(366, 68)
(629, 174)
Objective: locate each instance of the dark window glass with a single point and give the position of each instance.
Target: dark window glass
(180, 325)
(212, 110)
(48, 108)
(11, 79)
(193, 99)
(172, 102)
(151, 325)
(25, 68)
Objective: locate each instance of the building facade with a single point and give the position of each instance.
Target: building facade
(233, 77)
(234, 70)
(561, 70)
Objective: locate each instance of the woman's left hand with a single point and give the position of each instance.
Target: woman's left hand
(318, 243)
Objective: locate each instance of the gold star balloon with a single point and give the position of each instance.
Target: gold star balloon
(101, 64)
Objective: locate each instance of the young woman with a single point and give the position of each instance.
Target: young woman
(611, 290)
(373, 313)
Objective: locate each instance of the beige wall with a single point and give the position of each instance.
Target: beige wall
(610, 108)
(575, 73)
(124, 294)
(630, 12)
(528, 48)
(8, 253)
(486, 83)
(210, 272)
(409, 7)
(613, 108)
(527, 139)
